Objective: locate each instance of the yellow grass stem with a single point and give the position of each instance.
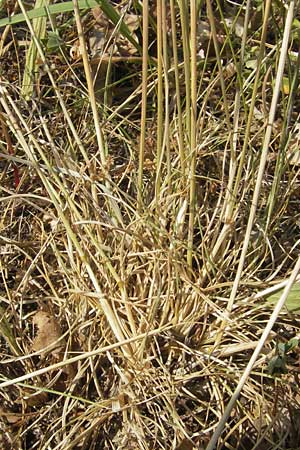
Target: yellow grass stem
(193, 131)
(144, 105)
(184, 20)
(125, 343)
(160, 101)
(167, 136)
(214, 439)
(90, 87)
(112, 318)
(179, 124)
(264, 153)
(232, 204)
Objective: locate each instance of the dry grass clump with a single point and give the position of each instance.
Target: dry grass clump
(149, 195)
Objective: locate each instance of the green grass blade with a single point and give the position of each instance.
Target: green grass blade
(7, 333)
(58, 8)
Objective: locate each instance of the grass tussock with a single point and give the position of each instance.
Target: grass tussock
(149, 205)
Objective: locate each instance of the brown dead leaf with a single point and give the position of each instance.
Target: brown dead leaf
(11, 418)
(103, 39)
(36, 398)
(48, 334)
(293, 153)
(14, 419)
(185, 445)
(75, 50)
(100, 17)
(106, 42)
(132, 21)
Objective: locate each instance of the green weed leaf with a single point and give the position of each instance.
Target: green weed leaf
(53, 41)
(277, 365)
(292, 303)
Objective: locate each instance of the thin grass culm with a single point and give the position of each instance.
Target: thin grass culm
(149, 226)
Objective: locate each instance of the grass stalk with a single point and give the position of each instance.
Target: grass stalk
(90, 87)
(92, 98)
(264, 154)
(105, 305)
(232, 206)
(281, 160)
(31, 65)
(179, 114)
(99, 242)
(213, 441)
(193, 131)
(160, 101)
(125, 343)
(184, 20)
(57, 92)
(167, 136)
(144, 105)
